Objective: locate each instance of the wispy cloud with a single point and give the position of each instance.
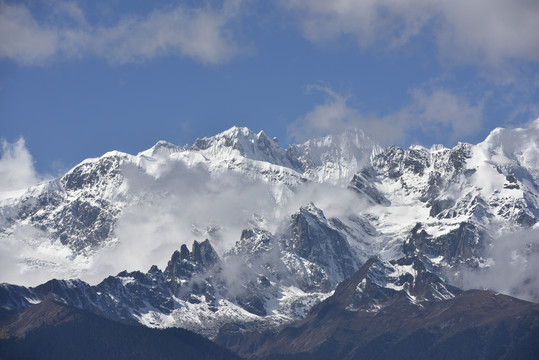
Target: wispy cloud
(479, 31)
(443, 114)
(201, 33)
(22, 38)
(439, 112)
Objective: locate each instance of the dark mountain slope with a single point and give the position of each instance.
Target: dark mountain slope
(369, 317)
(49, 330)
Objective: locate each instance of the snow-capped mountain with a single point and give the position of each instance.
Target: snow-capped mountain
(277, 230)
(59, 225)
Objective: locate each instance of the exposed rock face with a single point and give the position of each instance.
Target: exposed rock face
(363, 184)
(324, 252)
(464, 244)
(387, 282)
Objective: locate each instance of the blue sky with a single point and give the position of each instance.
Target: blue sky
(80, 78)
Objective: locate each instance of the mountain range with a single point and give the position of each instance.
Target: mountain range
(325, 243)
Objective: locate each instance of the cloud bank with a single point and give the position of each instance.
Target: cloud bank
(200, 33)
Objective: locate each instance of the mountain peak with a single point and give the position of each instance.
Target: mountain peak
(333, 158)
(202, 257)
(161, 147)
(236, 132)
(517, 146)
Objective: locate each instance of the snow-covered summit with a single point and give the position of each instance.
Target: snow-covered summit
(81, 209)
(333, 159)
(514, 148)
(243, 142)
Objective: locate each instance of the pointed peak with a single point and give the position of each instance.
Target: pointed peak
(241, 141)
(235, 132)
(235, 137)
(184, 252)
(202, 257)
(313, 210)
(163, 143)
(334, 158)
(204, 254)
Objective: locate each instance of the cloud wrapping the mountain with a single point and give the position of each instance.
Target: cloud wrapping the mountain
(513, 267)
(29, 257)
(189, 203)
(198, 33)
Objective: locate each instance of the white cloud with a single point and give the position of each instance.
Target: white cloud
(333, 116)
(477, 31)
(16, 167)
(199, 33)
(29, 257)
(441, 114)
(393, 22)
